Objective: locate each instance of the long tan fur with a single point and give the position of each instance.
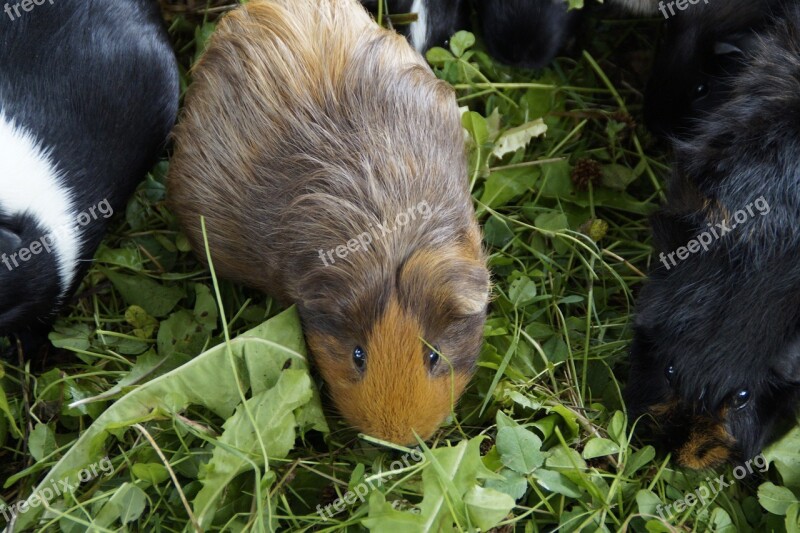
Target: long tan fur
(307, 126)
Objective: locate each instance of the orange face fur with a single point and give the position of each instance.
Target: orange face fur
(419, 344)
(396, 396)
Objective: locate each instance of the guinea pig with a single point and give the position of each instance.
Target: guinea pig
(437, 20)
(699, 58)
(716, 353)
(88, 95)
(329, 165)
(525, 33)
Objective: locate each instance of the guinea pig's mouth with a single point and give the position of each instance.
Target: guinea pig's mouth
(698, 440)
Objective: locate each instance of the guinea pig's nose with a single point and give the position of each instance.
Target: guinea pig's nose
(708, 445)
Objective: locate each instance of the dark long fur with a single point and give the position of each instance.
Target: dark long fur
(699, 59)
(525, 33)
(728, 320)
(96, 84)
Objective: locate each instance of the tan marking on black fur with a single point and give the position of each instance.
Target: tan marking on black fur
(709, 445)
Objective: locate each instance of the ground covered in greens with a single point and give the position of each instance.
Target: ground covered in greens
(563, 175)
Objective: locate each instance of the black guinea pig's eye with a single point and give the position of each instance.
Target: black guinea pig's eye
(701, 90)
(740, 399)
(432, 358)
(670, 373)
(360, 358)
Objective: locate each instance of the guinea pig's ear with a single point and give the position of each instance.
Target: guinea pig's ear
(469, 288)
(452, 281)
(9, 240)
(787, 363)
(735, 44)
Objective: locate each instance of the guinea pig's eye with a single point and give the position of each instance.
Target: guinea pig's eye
(432, 358)
(701, 89)
(360, 358)
(670, 373)
(740, 399)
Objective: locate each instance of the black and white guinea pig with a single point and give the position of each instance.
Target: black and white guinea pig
(437, 20)
(525, 33)
(88, 95)
(698, 60)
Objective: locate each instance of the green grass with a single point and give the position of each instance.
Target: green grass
(539, 440)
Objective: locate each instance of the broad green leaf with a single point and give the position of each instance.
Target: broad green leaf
(553, 221)
(437, 56)
(599, 447)
(639, 459)
(502, 186)
(556, 180)
(452, 472)
(461, 42)
(71, 336)
(208, 380)
(42, 441)
(793, 518)
(775, 499)
(520, 449)
(126, 505)
(476, 126)
(157, 299)
(785, 455)
(153, 473)
(384, 517)
(522, 291)
(266, 432)
(648, 502)
(618, 177)
(563, 458)
(722, 522)
(487, 507)
(144, 324)
(513, 483)
(557, 482)
(616, 428)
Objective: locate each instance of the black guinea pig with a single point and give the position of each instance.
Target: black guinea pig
(716, 352)
(88, 95)
(525, 33)
(699, 58)
(437, 20)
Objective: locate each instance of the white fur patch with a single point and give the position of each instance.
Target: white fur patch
(31, 183)
(418, 31)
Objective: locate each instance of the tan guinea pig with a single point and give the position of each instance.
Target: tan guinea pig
(329, 164)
